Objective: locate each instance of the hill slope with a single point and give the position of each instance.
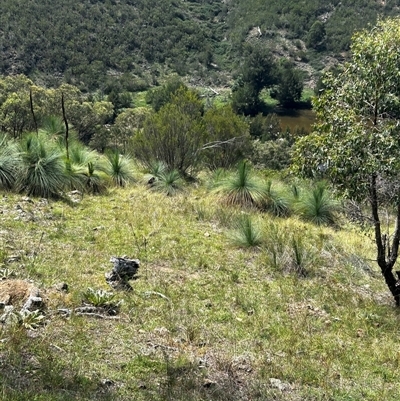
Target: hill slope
(206, 320)
(89, 42)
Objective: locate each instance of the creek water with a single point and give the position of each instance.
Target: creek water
(290, 118)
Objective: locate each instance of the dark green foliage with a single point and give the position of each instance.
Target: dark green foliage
(273, 155)
(290, 85)
(316, 36)
(159, 97)
(245, 100)
(227, 136)
(257, 71)
(174, 135)
(266, 128)
(129, 45)
(258, 68)
(120, 101)
(86, 40)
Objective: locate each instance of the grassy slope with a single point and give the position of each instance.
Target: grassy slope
(231, 319)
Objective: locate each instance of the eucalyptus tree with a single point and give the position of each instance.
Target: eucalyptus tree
(356, 142)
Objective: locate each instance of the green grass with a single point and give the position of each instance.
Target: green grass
(206, 320)
(139, 99)
(307, 95)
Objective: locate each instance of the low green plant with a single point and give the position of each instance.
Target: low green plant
(275, 250)
(30, 320)
(299, 255)
(246, 233)
(98, 297)
(153, 170)
(276, 201)
(94, 178)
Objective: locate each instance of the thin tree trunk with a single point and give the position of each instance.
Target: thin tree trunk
(32, 111)
(66, 125)
(386, 252)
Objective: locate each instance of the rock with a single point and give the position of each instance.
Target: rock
(61, 287)
(124, 270)
(279, 384)
(64, 312)
(209, 384)
(5, 317)
(33, 303)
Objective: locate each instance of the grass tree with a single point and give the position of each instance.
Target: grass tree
(276, 200)
(9, 163)
(242, 188)
(246, 233)
(119, 168)
(82, 169)
(318, 205)
(168, 182)
(42, 171)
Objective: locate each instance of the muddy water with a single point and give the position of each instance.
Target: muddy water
(296, 119)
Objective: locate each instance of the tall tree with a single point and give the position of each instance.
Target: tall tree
(257, 71)
(356, 142)
(290, 85)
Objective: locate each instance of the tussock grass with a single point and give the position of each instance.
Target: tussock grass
(206, 320)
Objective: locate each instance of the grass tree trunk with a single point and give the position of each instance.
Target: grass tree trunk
(387, 248)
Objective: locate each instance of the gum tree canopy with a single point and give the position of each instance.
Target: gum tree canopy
(356, 141)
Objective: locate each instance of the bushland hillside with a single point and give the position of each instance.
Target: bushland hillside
(91, 43)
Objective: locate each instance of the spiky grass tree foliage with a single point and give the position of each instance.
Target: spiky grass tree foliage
(168, 182)
(53, 127)
(95, 180)
(246, 233)
(9, 163)
(242, 188)
(154, 169)
(81, 166)
(318, 206)
(42, 170)
(276, 200)
(119, 168)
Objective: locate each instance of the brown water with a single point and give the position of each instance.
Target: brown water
(293, 119)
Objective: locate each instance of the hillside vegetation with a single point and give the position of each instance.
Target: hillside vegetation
(299, 315)
(93, 43)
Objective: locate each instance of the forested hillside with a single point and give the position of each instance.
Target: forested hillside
(90, 43)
